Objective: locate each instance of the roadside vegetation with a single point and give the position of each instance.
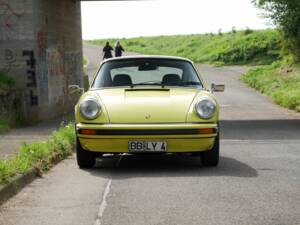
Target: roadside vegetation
(236, 47)
(280, 81)
(6, 84)
(41, 155)
(85, 61)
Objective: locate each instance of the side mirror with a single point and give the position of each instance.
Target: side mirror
(75, 89)
(217, 87)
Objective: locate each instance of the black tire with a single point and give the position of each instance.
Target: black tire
(85, 159)
(211, 158)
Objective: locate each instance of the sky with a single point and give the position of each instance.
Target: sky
(124, 19)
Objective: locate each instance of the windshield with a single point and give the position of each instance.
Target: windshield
(139, 72)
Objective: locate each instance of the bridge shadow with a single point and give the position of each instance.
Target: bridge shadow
(133, 166)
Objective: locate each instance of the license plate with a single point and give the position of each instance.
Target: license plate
(147, 146)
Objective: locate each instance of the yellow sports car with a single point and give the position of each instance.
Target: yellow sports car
(147, 104)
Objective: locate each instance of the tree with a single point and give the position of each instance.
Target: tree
(285, 14)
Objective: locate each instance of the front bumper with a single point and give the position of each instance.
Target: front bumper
(114, 138)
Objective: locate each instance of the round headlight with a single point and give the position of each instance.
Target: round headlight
(90, 109)
(205, 108)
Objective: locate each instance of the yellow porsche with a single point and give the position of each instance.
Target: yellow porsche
(147, 104)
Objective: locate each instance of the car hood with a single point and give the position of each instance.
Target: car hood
(141, 105)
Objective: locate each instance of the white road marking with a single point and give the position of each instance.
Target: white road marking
(103, 203)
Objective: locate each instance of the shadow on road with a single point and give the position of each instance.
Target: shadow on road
(260, 129)
(133, 166)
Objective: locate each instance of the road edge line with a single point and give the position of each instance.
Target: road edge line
(103, 204)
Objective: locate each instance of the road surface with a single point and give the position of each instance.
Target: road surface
(257, 181)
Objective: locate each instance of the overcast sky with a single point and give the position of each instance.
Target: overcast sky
(120, 19)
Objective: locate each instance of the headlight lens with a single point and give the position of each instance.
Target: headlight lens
(205, 108)
(90, 109)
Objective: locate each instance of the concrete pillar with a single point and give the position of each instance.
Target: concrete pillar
(41, 48)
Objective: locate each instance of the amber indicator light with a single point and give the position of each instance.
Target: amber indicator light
(88, 132)
(206, 131)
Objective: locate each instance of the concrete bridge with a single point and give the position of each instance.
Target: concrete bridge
(41, 48)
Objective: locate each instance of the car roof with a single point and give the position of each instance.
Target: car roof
(148, 57)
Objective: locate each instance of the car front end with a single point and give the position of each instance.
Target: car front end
(149, 117)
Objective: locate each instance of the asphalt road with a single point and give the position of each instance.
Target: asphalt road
(257, 181)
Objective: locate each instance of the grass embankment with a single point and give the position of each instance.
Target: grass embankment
(279, 80)
(40, 155)
(6, 84)
(241, 47)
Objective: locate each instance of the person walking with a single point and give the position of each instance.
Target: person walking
(118, 49)
(107, 51)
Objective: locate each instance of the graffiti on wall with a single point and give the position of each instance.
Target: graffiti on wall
(31, 77)
(73, 67)
(10, 15)
(41, 43)
(56, 79)
(55, 62)
(9, 60)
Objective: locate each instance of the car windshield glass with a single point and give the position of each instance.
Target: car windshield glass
(147, 72)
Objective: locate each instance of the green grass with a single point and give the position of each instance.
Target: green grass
(40, 155)
(85, 61)
(279, 80)
(255, 47)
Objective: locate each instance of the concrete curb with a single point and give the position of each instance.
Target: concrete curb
(16, 185)
(19, 182)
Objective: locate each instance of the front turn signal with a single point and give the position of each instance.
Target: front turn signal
(87, 132)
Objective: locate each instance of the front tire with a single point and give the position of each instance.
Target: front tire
(85, 159)
(211, 158)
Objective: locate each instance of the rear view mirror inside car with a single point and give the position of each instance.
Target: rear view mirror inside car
(147, 67)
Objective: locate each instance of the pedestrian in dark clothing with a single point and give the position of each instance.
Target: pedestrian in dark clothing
(119, 49)
(107, 51)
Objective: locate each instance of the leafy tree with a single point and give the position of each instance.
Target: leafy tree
(285, 14)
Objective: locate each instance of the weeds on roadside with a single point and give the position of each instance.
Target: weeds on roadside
(85, 61)
(280, 81)
(41, 155)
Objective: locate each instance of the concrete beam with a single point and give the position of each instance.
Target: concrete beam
(41, 48)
